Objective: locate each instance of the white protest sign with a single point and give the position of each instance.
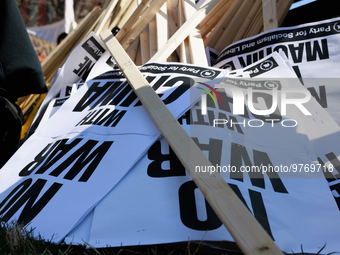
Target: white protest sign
(79, 154)
(312, 49)
(323, 133)
(157, 202)
(76, 69)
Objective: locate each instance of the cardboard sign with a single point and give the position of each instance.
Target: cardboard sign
(312, 50)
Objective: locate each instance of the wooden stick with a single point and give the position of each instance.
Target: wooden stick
(184, 31)
(132, 19)
(229, 33)
(184, 56)
(121, 9)
(133, 49)
(145, 45)
(173, 4)
(214, 16)
(141, 23)
(222, 24)
(246, 231)
(248, 20)
(127, 13)
(139, 54)
(269, 14)
(153, 37)
(105, 17)
(115, 13)
(172, 24)
(162, 26)
(257, 24)
(195, 41)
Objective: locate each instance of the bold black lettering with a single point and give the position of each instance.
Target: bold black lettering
(239, 154)
(90, 120)
(200, 118)
(82, 158)
(123, 92)
(188, 209)
(91, 95)
(155, 168)
(81, 66)
(186, 83)
(312, 54)
(268, 99)
(335, 162)
(32, 206)
(214, 147)
(60, 150)
(112, 119)
(328, 175)
(296, 52)
(259, 210)
(243, 63)
(322, 99)
(187, 117)
(92, 117)
(336, 193)
(262, 158)
(28, 169)
(107, 97)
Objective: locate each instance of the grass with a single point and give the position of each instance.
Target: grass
(17, 239)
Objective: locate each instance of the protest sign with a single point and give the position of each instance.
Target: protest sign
(76, 69)
(157, 202)
(312, 49)
(92, 141)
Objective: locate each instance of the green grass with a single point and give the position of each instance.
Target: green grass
(17, 239)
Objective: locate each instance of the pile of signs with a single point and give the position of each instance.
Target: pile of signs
(96, 168)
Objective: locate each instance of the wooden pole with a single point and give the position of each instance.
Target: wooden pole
(229, 33)
(184, 56)
(214, 16)
(246, 231)
(141, 23)
(256, 26)
(162, 26)
(184, 31)
(248, 20)
(132, 19)
(269, 14)
(145, 45)
(195, 41)
(222, 24)
(107, 12)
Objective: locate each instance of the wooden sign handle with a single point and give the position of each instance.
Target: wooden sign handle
(269, 14)
(246, 231)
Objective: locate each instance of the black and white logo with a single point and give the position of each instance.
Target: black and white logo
(336, 27)
(271, 85)
(266, 65)
(207, 73)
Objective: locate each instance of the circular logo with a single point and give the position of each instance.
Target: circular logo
(271, 85)
(207, 73)
(336, 27)
(266, 65)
